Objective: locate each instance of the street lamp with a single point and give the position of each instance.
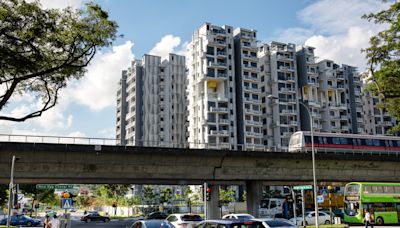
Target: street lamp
(313, 157)
(10, 190)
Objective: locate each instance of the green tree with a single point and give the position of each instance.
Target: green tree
(383, 57)
(148, 195)
(116, 191)
(226, 195)
(3, 194)
(41, 50)
(166, 195)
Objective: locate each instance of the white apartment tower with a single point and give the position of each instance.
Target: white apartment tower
(376, 119)
(151, 101)
(211, 88)
(279, 93)
(248, 90)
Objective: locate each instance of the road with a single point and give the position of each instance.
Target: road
(111, 224)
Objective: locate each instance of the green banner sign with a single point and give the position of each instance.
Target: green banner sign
(55, 186)
(302, 187)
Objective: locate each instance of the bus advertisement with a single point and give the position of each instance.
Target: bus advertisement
(382, 200)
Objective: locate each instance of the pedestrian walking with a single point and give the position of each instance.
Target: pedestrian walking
(47, 222)
(367, 219)
(55, 223)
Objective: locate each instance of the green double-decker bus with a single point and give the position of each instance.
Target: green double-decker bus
(382, 200)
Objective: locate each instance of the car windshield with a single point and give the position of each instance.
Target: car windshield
(248, 224)
(157, 224)
(27, 217)
(274, 223)
(191, 218)
(245, 217)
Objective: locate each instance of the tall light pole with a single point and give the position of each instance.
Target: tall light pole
(313, 163)
(10, 190)
(313, 157)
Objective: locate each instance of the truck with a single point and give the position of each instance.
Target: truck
(271, 207)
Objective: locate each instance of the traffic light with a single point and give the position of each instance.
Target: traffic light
(208, 194)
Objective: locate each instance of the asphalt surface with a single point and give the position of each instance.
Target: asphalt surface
(111, 224)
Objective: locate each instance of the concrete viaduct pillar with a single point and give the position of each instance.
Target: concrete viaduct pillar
(254, 196)
(213, 211)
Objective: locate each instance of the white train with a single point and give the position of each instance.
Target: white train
(301, 141)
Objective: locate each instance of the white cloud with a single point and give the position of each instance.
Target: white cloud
(98, 89)
(335, 28)
(60, 3)
(168, 44)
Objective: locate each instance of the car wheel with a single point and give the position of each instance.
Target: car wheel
(106, 220)
(327, 222)
(379, 221)
(29, 224)
(88, 220)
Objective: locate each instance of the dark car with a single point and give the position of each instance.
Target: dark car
(152, 223)
(156, 215)
(230, 223)
(94, 216)
(21, 220)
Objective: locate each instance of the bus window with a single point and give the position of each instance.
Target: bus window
(388, 189)
(397, 189)
(367, 189)
(377, 189)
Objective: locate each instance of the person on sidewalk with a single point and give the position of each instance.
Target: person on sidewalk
(47, 222)
(55, 223)
(367, 219)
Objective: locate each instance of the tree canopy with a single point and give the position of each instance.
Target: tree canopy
(41, 50)
(383, 57)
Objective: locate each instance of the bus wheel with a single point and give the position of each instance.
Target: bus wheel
(379, 221)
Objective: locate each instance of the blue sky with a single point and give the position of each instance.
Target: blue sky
(87, 107)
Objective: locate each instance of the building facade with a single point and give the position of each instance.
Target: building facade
(151, 101)
(211, 88)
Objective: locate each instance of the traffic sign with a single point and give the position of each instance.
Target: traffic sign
(66, 203)
(320, 199)
(304, 187)
(55, 186)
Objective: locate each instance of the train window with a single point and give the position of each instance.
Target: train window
(389, 143)
(356, 142)
(336, 140)
(329, 140)
(343, 141)
(322, 140)
(376, 142)
(368, 142)
(307, 139)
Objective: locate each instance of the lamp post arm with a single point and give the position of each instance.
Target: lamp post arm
(313, 164)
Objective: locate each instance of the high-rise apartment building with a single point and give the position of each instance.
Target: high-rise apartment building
(376, 119)
(151, 108)
(278, 74)
(211, 88)
(248, 90)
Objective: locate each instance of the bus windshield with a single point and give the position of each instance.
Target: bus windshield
(352, 199)
(351, 208)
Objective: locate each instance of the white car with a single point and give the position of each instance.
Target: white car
(276, 222)
(184, 220)
(238, 216)
(323, 218)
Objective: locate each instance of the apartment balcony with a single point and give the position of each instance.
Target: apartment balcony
(284, 58)
(340, 87)
(287, 90)
(343, 118)
(223, 121)
(360, 130)
(342, 106)
(256, 101)
(219, 133)
(249, 57)
(340, 77)
(216, 97)
(292, 123)
(217, 64)
(358, 100)
(248, 46)
(253, 123)
(286, 134)
(385, 123)
(218, 32)
(359, 119)
(316, 115)
(251, 89)
(249, 133)
(224, 145)
(218, 43)
(344, 128)
(221, 54)
(250, 68)
(357, 93)
(250, 78)
(218, 110)
(258, 134)
(286, 68)
(288, 112)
